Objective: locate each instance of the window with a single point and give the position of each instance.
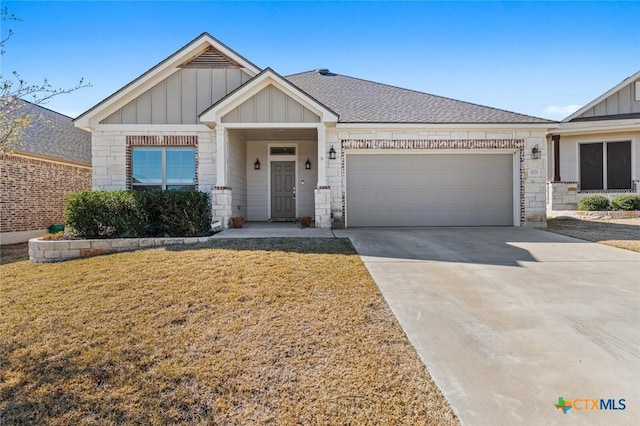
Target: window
(605, 166)
(283, 150)
(163, 168)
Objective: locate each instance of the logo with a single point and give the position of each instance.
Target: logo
(563, 405)
(583, 404)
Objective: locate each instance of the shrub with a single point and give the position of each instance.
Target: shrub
(626, 202)
(105, 214)
(593, 203)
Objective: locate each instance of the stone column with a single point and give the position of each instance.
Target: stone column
(323, 206)
(221, 205)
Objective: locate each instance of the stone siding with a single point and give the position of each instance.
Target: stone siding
(32, 191)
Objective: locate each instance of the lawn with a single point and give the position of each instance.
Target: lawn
(266, 331)
(621, 233)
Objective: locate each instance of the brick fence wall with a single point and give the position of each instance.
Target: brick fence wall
(32, 191)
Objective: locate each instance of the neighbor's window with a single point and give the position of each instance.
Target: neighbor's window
(605, 165)
(163, 168)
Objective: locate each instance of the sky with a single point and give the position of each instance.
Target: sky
(544, 59)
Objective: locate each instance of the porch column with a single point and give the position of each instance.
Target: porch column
(221, 156)
(322, 152)
(556, 157)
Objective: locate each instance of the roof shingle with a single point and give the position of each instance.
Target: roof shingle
(363, 101)
(53, 134)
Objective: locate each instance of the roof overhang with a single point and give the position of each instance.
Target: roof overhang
(449, 126)
(213, 115)
(596, 127)
(90, 118)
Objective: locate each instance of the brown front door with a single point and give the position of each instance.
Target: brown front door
(283, 200)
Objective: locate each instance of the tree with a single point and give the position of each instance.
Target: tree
(17, 115)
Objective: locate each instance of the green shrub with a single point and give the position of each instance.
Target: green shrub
(593, 203)
(626, 202)
(106, 214)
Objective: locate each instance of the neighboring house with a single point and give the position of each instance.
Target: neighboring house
(595, 150)
(346, 151)
(53, 160)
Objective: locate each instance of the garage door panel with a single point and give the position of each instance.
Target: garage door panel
(429, 190)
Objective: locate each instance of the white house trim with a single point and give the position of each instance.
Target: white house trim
(602, 97)
(90, 118)
(271, 158)
(268, 77)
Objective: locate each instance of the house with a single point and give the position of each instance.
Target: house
(53, 160)
(345, 151)
(595, 150)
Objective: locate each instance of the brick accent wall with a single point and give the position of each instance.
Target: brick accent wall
(32, 191)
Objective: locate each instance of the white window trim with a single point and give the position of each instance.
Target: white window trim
(287, 157)
(604, 160)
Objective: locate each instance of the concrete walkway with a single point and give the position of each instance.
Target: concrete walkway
(274, 230)
(508, 320)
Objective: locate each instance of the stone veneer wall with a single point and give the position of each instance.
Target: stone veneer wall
(33, 191)
(42, 251)
(110, 152)
(533, 185)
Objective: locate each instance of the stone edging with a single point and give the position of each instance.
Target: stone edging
(41, 251)
(583, 214)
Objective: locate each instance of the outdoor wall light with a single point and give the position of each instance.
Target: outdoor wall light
(535, 152)
(256, 165)
(332, 153)
(307, 164)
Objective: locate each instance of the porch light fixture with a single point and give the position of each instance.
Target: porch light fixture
(332, 153)
(535, 152)
(307, 164)
(256, 165)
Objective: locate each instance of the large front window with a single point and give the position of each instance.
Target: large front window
(163, 168)
(605, 166)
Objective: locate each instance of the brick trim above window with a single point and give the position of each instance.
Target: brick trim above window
(162, 141)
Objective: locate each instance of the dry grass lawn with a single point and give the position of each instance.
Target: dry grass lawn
(271, 331)
(621, 233)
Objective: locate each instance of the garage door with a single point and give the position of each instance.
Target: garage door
(429, 189)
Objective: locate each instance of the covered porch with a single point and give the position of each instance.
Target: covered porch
(270, 153)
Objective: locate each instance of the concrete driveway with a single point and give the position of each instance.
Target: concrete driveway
(508, 320)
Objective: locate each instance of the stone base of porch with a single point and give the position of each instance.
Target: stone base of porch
(221, 207)
(322, 195)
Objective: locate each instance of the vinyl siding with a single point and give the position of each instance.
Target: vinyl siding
(238, 175)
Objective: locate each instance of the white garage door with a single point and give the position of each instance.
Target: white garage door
(429, 190)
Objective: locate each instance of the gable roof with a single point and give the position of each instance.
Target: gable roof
(363, 101)
(201, 45)
(602, 97)
(264, 78)
(53, 135)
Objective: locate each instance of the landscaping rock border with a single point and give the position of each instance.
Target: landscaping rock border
(43, 251)
(583, 214)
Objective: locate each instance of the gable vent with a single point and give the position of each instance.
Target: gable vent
(210, 58)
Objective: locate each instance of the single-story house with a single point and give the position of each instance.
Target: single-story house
(52, 160)
(345, 151)
(595, 150)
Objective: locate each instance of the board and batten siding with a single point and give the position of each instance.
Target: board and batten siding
(270, 105)
(624, 101)
(238, 175)
(180, 98)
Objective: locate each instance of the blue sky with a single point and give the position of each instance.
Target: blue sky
(536, 58)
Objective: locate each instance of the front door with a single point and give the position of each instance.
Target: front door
(283, 197)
